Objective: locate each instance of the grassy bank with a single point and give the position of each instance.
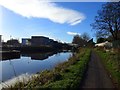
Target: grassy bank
(65, 75)
(111, 61)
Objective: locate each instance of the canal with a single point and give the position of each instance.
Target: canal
(31, 63)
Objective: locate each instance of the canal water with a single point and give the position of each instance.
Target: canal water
(30, 63)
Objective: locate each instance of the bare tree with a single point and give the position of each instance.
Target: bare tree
(108, 20)
(79, 40)
(85, 36)
(76, 39)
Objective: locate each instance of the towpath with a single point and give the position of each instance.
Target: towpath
(96, 76)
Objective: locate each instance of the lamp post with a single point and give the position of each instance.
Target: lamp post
(10, 43)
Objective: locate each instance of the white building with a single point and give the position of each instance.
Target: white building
(106, 43)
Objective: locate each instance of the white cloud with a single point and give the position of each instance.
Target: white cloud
(40, 9)
(73, 33)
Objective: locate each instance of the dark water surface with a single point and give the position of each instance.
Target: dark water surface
(31, 64)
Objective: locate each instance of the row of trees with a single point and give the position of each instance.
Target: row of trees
(106, 25)
(81, 40)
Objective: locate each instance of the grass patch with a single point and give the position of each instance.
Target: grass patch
(65, 75)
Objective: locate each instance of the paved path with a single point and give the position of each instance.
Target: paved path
(96, 76)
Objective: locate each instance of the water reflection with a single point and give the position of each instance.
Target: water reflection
(38, 56)
(34, 56)
(31, 63)
(9, 55)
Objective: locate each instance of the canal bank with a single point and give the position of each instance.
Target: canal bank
(65, 75)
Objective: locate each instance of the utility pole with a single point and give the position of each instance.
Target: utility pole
(10, 37)
(0, 40)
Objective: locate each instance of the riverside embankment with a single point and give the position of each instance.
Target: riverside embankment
(65, 75)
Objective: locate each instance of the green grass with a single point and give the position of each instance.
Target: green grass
(65, 75)
(111, 61)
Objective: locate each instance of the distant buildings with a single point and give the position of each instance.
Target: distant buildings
(38, 41)
(13, 42)
(26, 41)
(35, 43)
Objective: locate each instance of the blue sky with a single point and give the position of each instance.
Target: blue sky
(22, 25)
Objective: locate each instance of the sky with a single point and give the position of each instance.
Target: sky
(56, 20)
